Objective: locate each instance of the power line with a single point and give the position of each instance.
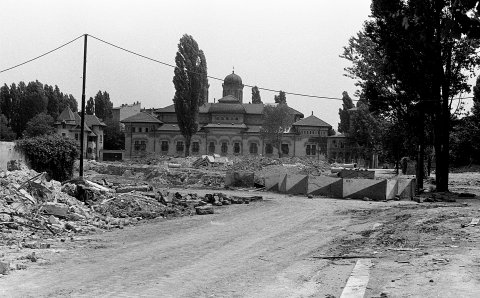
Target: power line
(33, 59)
(173, 66)
(208, 76)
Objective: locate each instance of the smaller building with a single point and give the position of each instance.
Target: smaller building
(124, 111)
(68, 125)
(141, 134)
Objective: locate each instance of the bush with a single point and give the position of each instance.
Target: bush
(50, 153)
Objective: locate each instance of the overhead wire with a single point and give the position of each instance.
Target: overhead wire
(42, 55)
(173, 66)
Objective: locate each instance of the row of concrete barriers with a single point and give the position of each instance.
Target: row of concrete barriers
(384, 189)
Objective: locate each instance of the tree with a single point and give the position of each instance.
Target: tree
(52, 101)
(53, 154)
(6, 132)
(114, 138)
(281, 98)
(427, 50)
(277, 120)
(366, 130)
(103, 105)
(190, 81)
(90, 106)
(41, 124)
(5, 102)
(256, 95)
(344, 113)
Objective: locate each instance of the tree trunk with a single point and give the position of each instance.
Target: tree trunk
(187, 145)
(421, 150)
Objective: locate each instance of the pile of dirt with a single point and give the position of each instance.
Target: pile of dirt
(408, 228)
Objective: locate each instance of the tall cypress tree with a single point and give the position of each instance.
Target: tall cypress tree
(191, 86)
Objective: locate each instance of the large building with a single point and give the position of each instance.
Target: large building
(226, 127)
(68, 125)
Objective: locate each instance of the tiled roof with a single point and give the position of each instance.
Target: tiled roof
(229, 99)
(66, 115)
(167, 109)
(93, 120)
(311, 121)
(227, 108)
(168, 127)
(141, 118)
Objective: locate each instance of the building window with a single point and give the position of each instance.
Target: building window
(236, 148)
(180, 146)
(164, 146)
(342, 145)
(253, 148)
(195, 147)
(268, 149)
(76, 136)
(311, 149)
(146, 129)
(285, 149)
(224, 148)
(140, 145)
(133, 129)
(101, 138)
(139, 129)
(211, 147)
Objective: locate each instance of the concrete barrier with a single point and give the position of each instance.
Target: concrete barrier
(272, 182)
(296, 184)
(392, 189)
(325, 186)
(378, 190)
(350, 173)
(360, 188)
(406, 188)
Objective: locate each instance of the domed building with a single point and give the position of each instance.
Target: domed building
(226, 127)
(232, 85)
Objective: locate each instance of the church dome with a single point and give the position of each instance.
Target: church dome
(232, 79)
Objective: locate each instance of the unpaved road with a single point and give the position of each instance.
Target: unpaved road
(259, 250)
(265, 249)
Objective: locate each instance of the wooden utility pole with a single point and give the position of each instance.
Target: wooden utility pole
(82, 113)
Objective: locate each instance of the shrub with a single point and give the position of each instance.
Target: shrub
(50, 153)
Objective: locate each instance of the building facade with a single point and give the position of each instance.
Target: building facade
(68, 125)
(226, 127)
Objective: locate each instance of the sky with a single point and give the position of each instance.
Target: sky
(282, 45)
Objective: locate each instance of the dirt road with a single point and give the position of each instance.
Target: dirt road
(259, 250)
(265, 249)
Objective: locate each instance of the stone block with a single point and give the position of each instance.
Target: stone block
(296, 184)
(325, 186)
(203, 210)
(406, 188)
(392, 189)
(4, 267)
(56, 209)
(272, 182)
(360, 188)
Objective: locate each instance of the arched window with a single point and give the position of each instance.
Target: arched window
(253, 148)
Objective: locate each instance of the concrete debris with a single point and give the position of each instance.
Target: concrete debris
(33, 209)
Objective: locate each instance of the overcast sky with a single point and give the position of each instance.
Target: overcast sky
(283, 45)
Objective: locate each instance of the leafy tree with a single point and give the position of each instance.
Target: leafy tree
(256, 95)
(277, 120)
(423, 51)
(5, 102)
(42, 124)
(114, 138)
(90, 106)
(50, 153)
(52, 101)
(103, 105)
(366, 130)
(344, 113)
(281, 98)
(6, 132)
(190, 81)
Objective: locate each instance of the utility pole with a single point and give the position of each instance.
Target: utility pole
(82, 113)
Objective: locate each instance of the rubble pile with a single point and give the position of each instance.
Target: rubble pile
(263, 166)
